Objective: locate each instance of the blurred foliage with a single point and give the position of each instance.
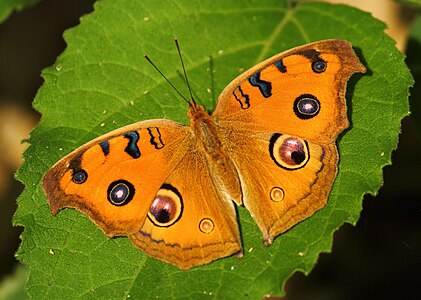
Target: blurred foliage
(7, 6)
(13, 286)
(414, 63)
(416, 3)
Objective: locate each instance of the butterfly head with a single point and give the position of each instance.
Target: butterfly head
(197, 113)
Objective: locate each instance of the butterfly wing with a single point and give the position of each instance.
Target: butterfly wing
(114, 178)
(145, 181)
(202, 229)
(293, 92)
(279, 122)
(284, 179)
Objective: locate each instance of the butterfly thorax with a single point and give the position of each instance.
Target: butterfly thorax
(205, 132)
(207, 137)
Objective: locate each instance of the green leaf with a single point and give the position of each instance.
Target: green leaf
(102, 82)
(7, 6)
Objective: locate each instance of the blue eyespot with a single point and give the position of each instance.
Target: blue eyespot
(120, 192)
(306, 106)
(79, 176)
(319, 66)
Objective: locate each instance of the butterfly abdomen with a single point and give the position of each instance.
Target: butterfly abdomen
(208, 142)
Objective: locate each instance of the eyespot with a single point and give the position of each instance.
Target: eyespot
(319, 66)
(206, 225)
(306, 106)
(120, 192)
(79, 176)
(167, 207)
(277, 194)
(288, 152)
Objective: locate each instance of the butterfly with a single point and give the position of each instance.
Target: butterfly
(269, 145)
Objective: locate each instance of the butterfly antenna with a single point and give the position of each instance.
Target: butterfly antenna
(165, 77)
(184, 70)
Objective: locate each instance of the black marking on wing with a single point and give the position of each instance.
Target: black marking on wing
(280, 65)
(105, 146)
(322, 156)
(317, 63)
(75, 163)
(79, 175)
(310, 54)
(272, 142)
(265, 87)
(132, 149)
(156, 140)
(148, 235)
(242, 98)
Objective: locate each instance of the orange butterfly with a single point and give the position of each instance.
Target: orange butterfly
(268, 145)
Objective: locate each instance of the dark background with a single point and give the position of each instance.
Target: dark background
(379, 258)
